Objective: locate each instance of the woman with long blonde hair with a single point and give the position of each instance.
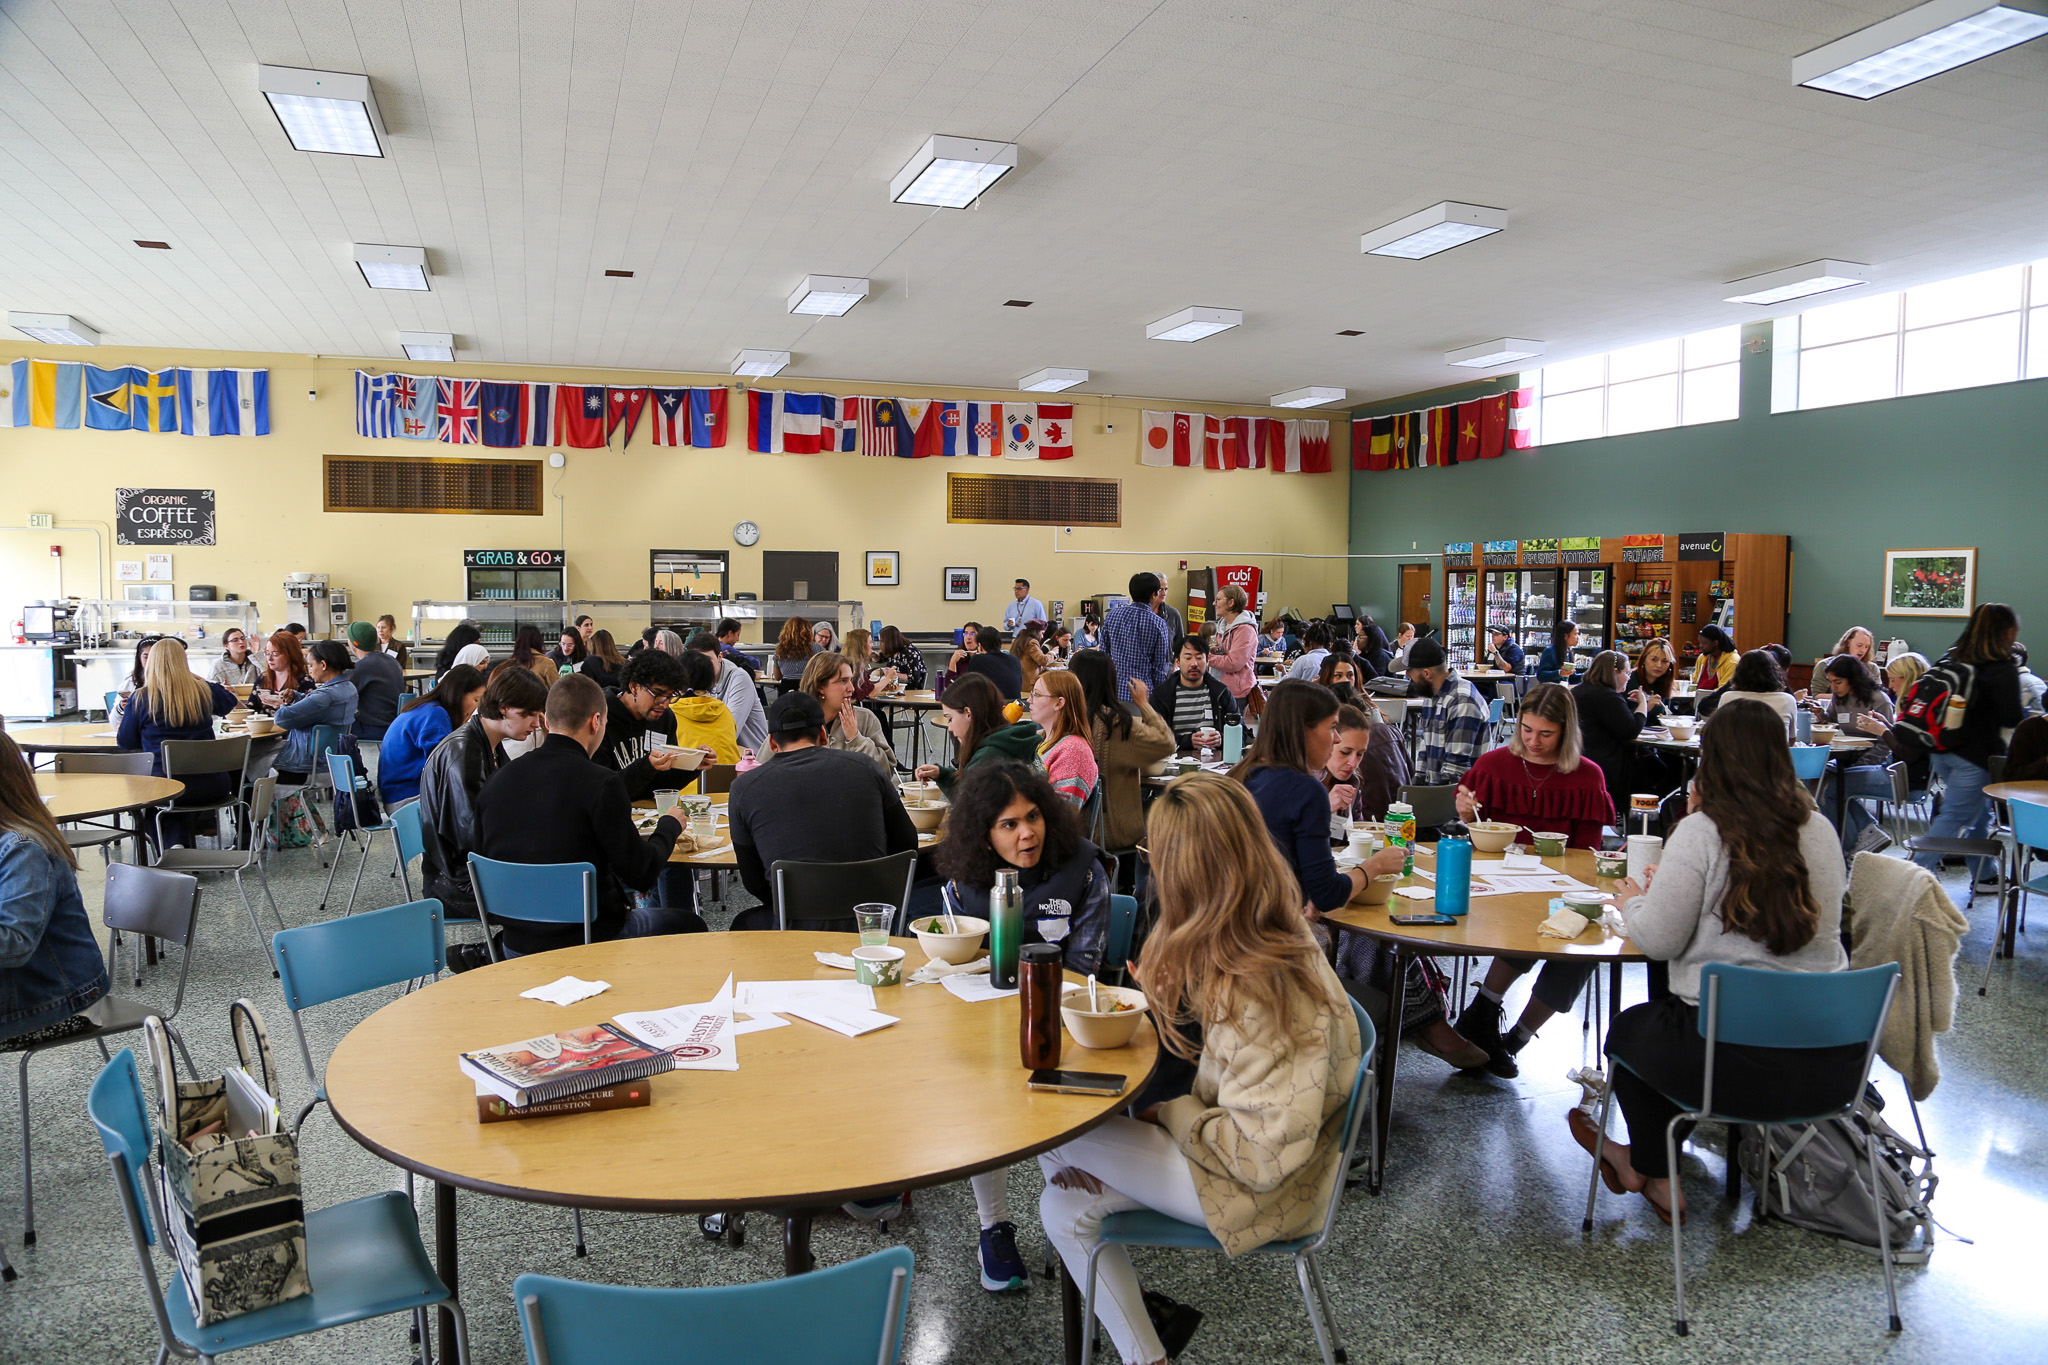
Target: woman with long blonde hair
(50, 964)
(176, 703)
(1656, 669)
(1254, 1150)
(1060, 708)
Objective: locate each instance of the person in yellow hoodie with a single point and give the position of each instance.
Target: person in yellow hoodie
(702, 720)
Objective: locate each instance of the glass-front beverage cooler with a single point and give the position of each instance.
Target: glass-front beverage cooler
(515, 575)
(1586, 593)
(1503, 602)
(1461, 616)
(1539, 608)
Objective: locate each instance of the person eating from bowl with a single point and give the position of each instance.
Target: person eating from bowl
(1194, 701)
(285, 676)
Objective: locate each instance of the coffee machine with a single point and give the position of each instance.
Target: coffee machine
(314, 604)
(48, 622)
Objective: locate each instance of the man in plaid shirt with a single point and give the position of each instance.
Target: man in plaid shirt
(1137, 640)
(1453, 729)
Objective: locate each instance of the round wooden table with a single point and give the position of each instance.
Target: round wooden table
(1496, 926)
(66, 739)
(2017, 791)
(917, 703)
(811, 1119)
(721, 854)
(80, 796)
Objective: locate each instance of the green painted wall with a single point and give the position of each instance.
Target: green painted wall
(1845, 484)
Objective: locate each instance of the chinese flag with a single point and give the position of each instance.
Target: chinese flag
(1493, 426)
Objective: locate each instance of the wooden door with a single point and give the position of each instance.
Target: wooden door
(1415, 594)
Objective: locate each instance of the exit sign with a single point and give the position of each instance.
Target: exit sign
(41, 521)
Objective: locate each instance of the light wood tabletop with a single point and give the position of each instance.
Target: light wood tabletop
(79, 796)
(2017, 791)
(1496, 925)
(721, 854)
(66, 739)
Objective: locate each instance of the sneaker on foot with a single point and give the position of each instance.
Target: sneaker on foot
(1002, 1269)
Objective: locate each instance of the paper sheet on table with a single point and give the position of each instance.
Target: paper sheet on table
(700, 1037)
(755, 1023)
(782, 997)
(566, 991)
(973, 987)
(1549, 881)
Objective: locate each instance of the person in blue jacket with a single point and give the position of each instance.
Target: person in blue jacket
(175, 703)
(331, 702)
(1507, 655)
(50, 963)
(1557, 665)
(422, 726)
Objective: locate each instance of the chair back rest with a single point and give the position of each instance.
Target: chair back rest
(1902, 781)
(197, 757)
(411, 835)
(1393, 710)
(1759, 1008)
(123, 765)
(113, 702)
(1494, 709)
(1355, 1108)
(325, 737)
(317, 963)
(118, 1110)
(827, 892)
(149, 900)
(341, 770)
(543, 893)
(1433, 805)
(2029, 823)
(1123, 922)
(849, 1314)
(262, 794)
(714, 778)
(1809, 761)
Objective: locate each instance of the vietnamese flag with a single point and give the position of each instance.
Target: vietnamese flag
(1468, 431)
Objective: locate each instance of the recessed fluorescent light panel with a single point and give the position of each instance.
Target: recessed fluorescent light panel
(1815, 277)
(427, 345)
(1926, 40)
(761, 364)
(1311, 397)
(1052, 380)
(392, 267)
(323, 111)
(951, 172)
(828, 296)
(1437, 228)
(1490, 353)
(58, 329)
(1192, 324)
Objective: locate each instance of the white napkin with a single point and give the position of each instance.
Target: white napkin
(567, 991)
(936, 970)
(1563, 924)
(1415, 893)
(974, 988)
(839, 960)
(1521, 862)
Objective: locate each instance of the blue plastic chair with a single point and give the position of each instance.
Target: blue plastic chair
(341, 770)
(543, 893)
(1149, 1228)
(342, 957)
(1123, 923)
(364, 1257)
(850, 1314)
(1495, 709)
(409, 833)
(1752, 1007)
(1810, 763)
(2029, 834)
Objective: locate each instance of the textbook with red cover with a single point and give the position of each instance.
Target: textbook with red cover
(567, 1063)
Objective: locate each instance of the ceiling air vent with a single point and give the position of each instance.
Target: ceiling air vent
(373, 483)
(1022, 500)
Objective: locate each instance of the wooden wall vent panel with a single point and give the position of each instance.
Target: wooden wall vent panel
(376, 483)
(1026, 500)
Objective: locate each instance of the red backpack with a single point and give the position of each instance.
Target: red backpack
(1934, 706)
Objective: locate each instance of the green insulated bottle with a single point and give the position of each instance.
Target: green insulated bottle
(1005, 929)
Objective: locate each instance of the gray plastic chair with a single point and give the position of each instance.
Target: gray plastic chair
(183, 758)
(823, 894)
(1433, 805)
(236, 861)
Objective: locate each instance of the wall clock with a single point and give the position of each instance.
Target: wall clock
(746, 533)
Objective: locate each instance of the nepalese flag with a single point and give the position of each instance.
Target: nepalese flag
(504, 412)
(414, 416)
(373, 405)
(153, 400)
(624, 408)
(106, 398)
(1055, 431)
(459, 412)
(1020, 431)
(579, 415)
(224, 402)
(1521, 418)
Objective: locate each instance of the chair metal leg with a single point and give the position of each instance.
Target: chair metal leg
(263, 875)
(1315, 1274)
(364, 862)
(576, 1223)
(255, 925)
(332, 868)
(1316, 1314)
(1884, 1233)
(1599, 1147)
(1677, 1227)
(1088, 1306)
(7, 1275)
(28, 1183)
(1997, 928)
(454, 1308)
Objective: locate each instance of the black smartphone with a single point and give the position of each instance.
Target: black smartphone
(1420, 919)
(1077, 1082)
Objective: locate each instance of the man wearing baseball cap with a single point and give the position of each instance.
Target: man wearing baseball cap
(1451, 732)
(379, 679)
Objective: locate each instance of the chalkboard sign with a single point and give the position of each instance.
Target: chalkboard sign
(513, 559)
(163, 516)
(1502, 552)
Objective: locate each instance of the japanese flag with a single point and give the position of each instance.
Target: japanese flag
(1020, 431)
(1155, 440)
(1055, 431)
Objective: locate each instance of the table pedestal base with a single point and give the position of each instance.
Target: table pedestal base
(796, 1243)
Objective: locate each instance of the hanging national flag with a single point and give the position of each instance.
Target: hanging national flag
(623, 407)
(458, 412)
(56, 393)
(688, 417)
(1493, 426)
(579, 415)
(803, 423)
(842, 423)
(949, 419)
(1468, 431)
(1361, 443)
(764, 420)
(153, 400)
(974, 430)
(1443, 434)
(537, 404)
(1055, 431)
(14, 394)
(504, 413)
(879, 419)
(224, 402)
(373, 405)
(1020, 431)
(707, 418)
(670, 418)
(1400, 453)
(1305, 448)
(1522, 418)
(106, 398)
(413, 411)
(1239, 435)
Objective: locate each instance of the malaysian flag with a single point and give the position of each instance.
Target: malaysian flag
(459, 413)
(373, 405)
(878, 421)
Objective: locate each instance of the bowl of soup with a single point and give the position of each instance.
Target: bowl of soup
(1493, 836)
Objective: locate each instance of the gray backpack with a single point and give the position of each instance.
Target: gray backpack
(1817, 1177)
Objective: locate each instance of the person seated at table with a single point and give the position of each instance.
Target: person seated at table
(1059, 645)
(1366, 769)
(2033, 690)
(331, 702)
(297, 630)
(420, 728)
(810, 803)
(510, 712)
(829, 678)
(570, 650)
(1757, 678)
(702, 720)
(1557, 662)
(1127, 739)
(858, 649)
(139, 668)
(388, 641)
(1716, 663)
(973, 714)
(1060, 709)
(1852, 695)
(1541, 781)
(1856, 642)
(824, 637)
(1090, 634)
(1375, 652)
(1253, 1153)
(793, 649)
(1315, 647)
(1030, 661)
(894, 650)
(728, 634)
(1273, 639)
(174, 703)
(637, 716)
(987, 658)
(1195, 701)
(733, 686)
(1655, 671)
(1452, 729)
(2026, 753)
(1339, 670)
(557, 806)
(1610, 723)
(603, 662)
(1751, 877)
(460, 638)
(1504, 653)
(237, 665)
(529, 651)
(51, 969)
(286, 675)
(379, 680)
(1901, 671)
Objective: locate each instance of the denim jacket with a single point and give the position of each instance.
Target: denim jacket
(331, 703)
(50, 963)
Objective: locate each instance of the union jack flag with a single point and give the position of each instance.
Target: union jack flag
(461, 415)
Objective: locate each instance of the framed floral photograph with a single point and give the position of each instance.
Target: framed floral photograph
(962, 585)
(1930, 582)
(885, 568)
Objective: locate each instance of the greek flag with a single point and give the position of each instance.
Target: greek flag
(373, 405)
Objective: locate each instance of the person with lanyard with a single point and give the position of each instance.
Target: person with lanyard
(1505, 655)
(1718, 657)
(1194, 701)
(1024, 608)
(1452, 728)
(637, 713)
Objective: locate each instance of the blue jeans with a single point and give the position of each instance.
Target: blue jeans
(1866, 780)
(1965, 811)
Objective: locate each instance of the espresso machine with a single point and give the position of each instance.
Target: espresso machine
(321, 609)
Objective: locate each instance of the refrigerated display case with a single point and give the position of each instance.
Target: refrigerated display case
(1539, 594)
(1461, 616)
(1503, 601)
(1586, 592)
(515, 575)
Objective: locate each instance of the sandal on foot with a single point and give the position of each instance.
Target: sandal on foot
(1588, 1137)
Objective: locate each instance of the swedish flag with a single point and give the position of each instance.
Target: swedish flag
(153, 400)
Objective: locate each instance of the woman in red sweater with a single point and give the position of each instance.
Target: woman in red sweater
(1540, 781)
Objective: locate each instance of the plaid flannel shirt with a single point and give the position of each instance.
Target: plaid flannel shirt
(1139, 646)
(1450, 734)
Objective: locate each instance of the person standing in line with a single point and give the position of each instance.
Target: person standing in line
(1025, 608)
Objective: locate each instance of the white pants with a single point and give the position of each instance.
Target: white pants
(1140, 1167)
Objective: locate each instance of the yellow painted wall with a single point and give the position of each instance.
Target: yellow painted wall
(608, 508)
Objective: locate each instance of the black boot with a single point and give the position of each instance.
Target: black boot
(1480, 1024)
(1172, 1321)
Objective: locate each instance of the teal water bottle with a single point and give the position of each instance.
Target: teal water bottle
(1233, 740)
(1453, 869)
(1005, 929)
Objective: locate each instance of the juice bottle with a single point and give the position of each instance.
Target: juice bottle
(1401, 833)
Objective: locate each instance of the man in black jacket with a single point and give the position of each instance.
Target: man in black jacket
(556, 806)
(637, 717)
(1193, 701)
(454, 773)
(379, 679)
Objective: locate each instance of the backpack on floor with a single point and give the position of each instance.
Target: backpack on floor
(1935, 705)
(1817, 1177)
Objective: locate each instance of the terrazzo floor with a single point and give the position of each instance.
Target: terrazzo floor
(1472, 1254)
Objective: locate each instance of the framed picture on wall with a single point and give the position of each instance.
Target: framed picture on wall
(1930, 582)
(885, 568)
(962, 585)
(145, 592)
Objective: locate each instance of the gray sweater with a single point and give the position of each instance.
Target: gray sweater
(1679, 919)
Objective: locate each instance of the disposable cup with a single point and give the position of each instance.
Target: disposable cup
(878, 966)
(1643, 852)
(873, 921)
(665, 800)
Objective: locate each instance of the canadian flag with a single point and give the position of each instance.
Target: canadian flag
(1055, 431)
(1521, 418)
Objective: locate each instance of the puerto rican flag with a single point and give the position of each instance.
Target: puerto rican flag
(1055, 431)
(459, 413)
(579, 415)
(670, 420)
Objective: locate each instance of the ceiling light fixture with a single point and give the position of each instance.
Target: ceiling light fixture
(761, 364)
(427, 345)
(58, 329)
(1052, 380)
(618, 274)
(1192, 324)
(1437, 228)
(1311, 397)
(1926, 40)
(829, 296)
(951, 172)
(392, 267)
(1490, 353)
(1815, 277)
(323, 111)
(1016, 303)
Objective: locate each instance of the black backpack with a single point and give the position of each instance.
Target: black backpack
(358, 809)
(1934, 706)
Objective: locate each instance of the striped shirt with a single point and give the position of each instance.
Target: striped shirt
(1191, 710)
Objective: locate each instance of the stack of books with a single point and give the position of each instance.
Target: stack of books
(574, 1072)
